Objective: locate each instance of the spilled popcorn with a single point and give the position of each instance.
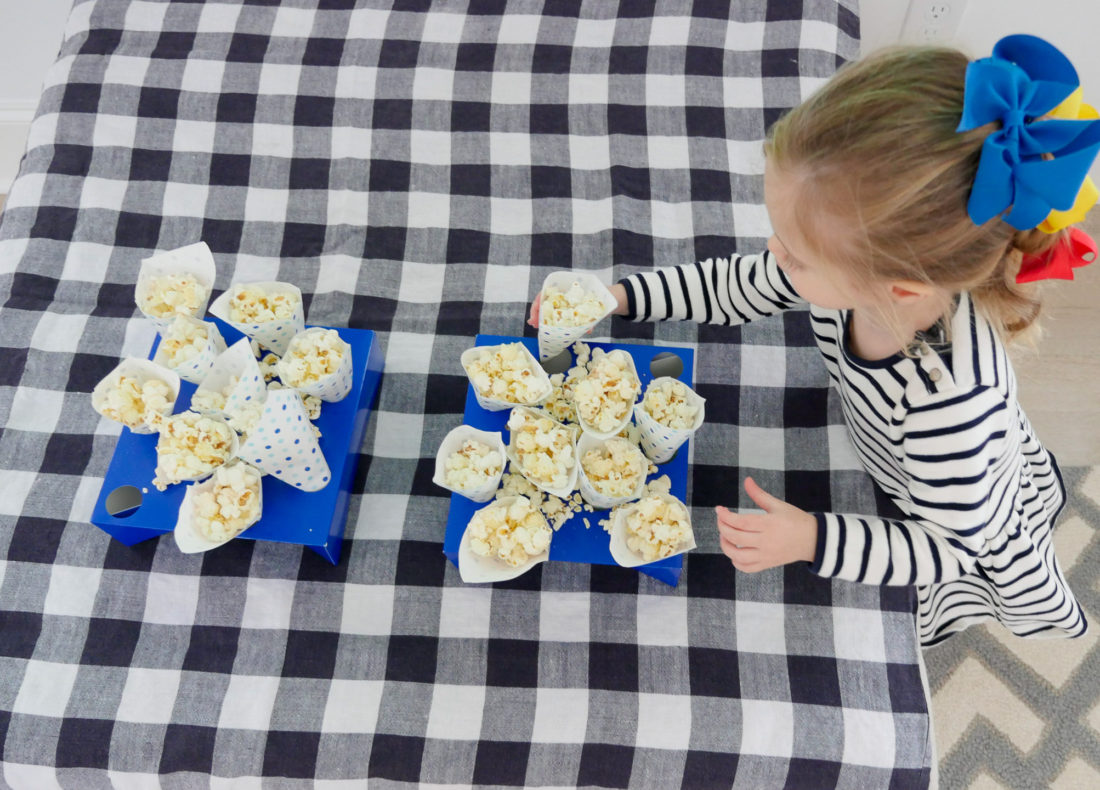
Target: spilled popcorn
(136, 403)
(657, 527)
(190, 446)
(606, 395)
(508, 373)
(541, 448)
(473, 465)
(312, 356)
(668, 402)
(254, 304)
(183, 341)
(615, 468)
(168, 295)
(576, 306)
(511, 532)
(231, 504)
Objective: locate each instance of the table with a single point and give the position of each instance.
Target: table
(417, 172)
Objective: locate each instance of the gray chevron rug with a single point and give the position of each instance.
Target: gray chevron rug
(1025, 714)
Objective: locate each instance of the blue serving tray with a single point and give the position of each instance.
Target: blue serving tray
(315, 519)
(574, 542)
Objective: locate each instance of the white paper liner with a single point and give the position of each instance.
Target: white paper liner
(622, 554)
(452, 443)
(283, 444)
(495, 404)
(230, 454)
(193, 259)
(561, 493)
(475, 569)
(195, 369)
(236, 361)
(658, 440)
(188, 538)
(143, 370)
(622, 423)
(333, 387)
(555, 339)
(275, 335)
(588, 491)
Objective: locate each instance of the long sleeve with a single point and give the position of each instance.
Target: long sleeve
(732, 290)
(961, 462)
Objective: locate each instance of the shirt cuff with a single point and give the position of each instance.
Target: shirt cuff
(819, 550)
(631, 302)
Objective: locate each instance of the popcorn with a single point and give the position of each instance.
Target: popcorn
(574, 306)
(605, 397)
(208, 400)
(669, 402)
(615, 468)
(136, 403)
(183, 341)
(311, 357)
(512, 532)
(472, 465)
(506, 373)
(542, 449)
(267, 365)
(657, 527)
(230, 505)
(169, 295)
(191, 446)
(254, 304)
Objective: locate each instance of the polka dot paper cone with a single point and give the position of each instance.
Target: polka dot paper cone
(194, 259)
(283, 444)
(555, 339)
(236, 362)
(193, 369)
(588, 490)
(659, 441)
(142, 370)
(331, 388)
(189, 538)
(275, 335)
(452, 443)
(488, 402)
(620, 536)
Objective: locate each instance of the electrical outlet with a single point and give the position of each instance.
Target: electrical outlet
(932, 21)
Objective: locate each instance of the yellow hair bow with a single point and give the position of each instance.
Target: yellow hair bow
(1073, 109)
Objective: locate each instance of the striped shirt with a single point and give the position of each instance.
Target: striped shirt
(941, 433)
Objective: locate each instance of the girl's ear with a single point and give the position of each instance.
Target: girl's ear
(910, 291)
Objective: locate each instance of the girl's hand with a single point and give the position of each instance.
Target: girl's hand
(533, 318)
(780, 535)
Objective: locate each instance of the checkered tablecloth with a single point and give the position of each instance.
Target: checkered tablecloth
(417, 168)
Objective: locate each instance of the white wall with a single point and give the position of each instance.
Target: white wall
(30, 34)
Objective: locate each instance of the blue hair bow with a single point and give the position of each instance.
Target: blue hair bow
(1024, 79)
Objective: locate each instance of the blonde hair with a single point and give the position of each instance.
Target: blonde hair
(876, 151)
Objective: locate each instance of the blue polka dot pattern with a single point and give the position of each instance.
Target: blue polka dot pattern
(284, 438)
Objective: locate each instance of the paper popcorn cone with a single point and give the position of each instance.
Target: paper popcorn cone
(571, 483)
(330, 387)
(178, 463)
(659, 441)
(189, 538)
(236, 375)
(555, 339)
(194, 259)
(627, 557)
(142, 370)
(275, 334)
(623, 421)
(588, 490)
(195, 368)
(490, 403)
(452, 443)
(475, 568)
(283, 445)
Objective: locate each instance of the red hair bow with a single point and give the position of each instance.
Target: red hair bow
(1059, 261)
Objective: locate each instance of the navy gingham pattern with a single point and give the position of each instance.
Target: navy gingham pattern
(417, 169)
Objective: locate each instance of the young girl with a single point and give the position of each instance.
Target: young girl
(909, 254)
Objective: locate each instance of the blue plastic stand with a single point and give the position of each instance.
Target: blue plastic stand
(575, 542)
(314, 519)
